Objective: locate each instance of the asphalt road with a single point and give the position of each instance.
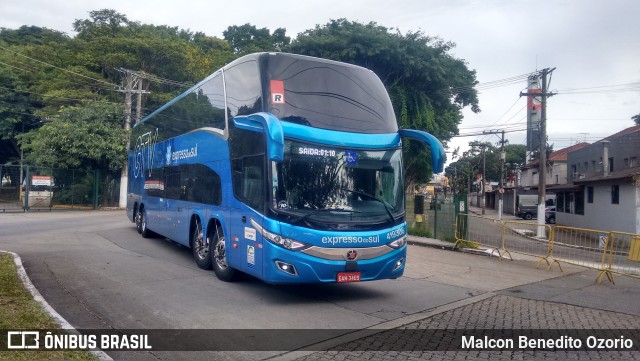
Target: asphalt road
(97, 272)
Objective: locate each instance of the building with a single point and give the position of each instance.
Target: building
(603, 188)
(556, 169)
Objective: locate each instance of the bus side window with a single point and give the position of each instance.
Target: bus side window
(244, 90)
(214, 91)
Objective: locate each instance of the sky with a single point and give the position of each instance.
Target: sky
(594, 46)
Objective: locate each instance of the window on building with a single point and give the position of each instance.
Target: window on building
(589, 194)
(633, 162)
(560, 202)
(569, 203)
(573, 171)
(615, 194)
(610, 164)
(593, 165)
(579, 205)
(626, 162)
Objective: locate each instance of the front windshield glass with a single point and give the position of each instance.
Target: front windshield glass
(325, 185)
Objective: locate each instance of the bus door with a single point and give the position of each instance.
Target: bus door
(249, 188)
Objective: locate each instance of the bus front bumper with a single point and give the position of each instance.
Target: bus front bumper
(285, 266)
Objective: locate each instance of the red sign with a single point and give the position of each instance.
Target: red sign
(277, 91)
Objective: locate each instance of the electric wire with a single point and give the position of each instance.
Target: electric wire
(57, 67)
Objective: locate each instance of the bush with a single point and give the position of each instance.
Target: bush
(419, 232)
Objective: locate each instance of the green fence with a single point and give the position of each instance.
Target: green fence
(436, 219)
(29, 188)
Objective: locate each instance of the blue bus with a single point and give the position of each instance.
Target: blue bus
(281, 166)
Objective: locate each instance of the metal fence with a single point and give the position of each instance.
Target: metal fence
(609, 252)
(29, 188)
(436, 217)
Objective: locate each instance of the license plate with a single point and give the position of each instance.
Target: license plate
(348, 277)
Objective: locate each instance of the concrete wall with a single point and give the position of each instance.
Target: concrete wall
(602, 215)
(556, 174)
(588, 160)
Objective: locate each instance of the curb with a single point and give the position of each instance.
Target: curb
(432, 245)
(59, 320)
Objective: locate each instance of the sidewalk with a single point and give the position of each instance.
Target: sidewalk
(492, 213)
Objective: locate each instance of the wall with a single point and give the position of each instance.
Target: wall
(530, 177)
(602, 215)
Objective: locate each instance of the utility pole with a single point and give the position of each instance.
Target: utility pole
(484, 179)
(542, 158)
(130, 79)
(502, 158)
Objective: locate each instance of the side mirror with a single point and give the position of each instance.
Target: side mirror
(269, 125)
(437, 150)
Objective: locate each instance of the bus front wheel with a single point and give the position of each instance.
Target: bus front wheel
(200, 246)
(220, 266)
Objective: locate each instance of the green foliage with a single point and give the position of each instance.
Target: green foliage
(419, 232)
(86, 137)
(68, 122)
(427, 85)
(32, 93)
(462, 171)
(246, 39)
(636, 119)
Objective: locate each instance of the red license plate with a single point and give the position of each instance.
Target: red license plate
(348, 277)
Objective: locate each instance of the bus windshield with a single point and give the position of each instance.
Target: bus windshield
(327, 95)
(326, 186)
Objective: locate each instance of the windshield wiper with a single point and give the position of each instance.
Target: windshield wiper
(316, 211)
(386, 207)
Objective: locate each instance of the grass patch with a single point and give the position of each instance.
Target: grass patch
(419, 232)
(19, 311)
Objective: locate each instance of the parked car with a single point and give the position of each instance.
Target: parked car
(528, 211)
(550, 215)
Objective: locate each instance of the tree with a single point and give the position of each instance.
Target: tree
(85, 137)
(636, 118)
(246, 39)
(428, 86)
(470, 163)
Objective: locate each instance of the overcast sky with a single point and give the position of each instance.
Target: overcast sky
(592, 44)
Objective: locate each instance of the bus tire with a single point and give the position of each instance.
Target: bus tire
(200, 246)
(137, 219)
(219, 255)
(145, 232)
(528, 216)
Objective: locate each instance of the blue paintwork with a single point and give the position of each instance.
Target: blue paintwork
(437, 150)
(270, 125)
(340, 139)
(312, 269)
(171, 217)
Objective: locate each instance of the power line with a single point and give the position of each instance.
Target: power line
(55, 96)
(486, 85)
(54, 66)
(15, 67)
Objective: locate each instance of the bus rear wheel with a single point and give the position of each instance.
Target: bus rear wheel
(144, 231)
(138, 220)
(220, 266)
(200, 246)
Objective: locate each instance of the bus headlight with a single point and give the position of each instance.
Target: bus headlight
(278, 240)
(398, 243)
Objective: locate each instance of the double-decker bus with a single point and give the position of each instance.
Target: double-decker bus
(281, 166)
